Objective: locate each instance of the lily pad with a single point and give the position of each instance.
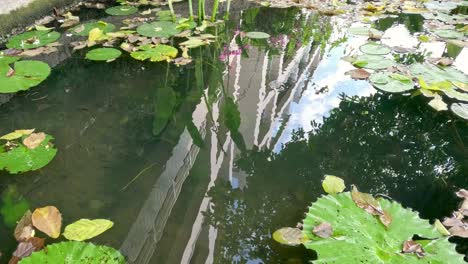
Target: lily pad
(20, 158)
(360, 237)
(364, 31)
(460, 109)
(75, 252)
(23, 75)
(161, 29)
(373, 48)
(257, 35)
(122, 10)
(392, 83)
(155, 53)
(103, 54)
(32, 39)
(84, 29)
(435, 74)
(8, 59)
(447, 33)
(373, 62)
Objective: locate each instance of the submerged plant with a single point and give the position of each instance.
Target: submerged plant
(354, 227)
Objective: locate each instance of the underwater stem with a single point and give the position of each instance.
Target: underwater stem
(214, 12)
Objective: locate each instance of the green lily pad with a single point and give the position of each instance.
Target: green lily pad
(103, 54)
(20, 158)
(161, 29)
(155, 53)
(391, 83)
(364, 31)
(360, 237)
(452, 93)
(373, 48)
(8, 59)
(447, 33)
(32, 39)
(75, 252)
(257, 35)
(460, 109)
(373, 62)
(122, 10)
(23, 75)
(84, 29)
(435, 74)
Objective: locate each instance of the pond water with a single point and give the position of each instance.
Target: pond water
(129, 150)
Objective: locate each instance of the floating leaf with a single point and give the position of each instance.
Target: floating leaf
(392, 83)
(122, 10)
(103, 54)
(84, 29)
(34, 140)
(48, 220)
(447, 33)
(364, 31)
(161, 29)
(26, 248)
(19, 158)
(359, 237)
(257, 35)
(8, 59)
(75, 252)
(155, 53)
(436, 74)
(358, 74)
(32, 39)
(410, 247)
(441, 228)
(288, 236)
(373, 48)
(438, 104)
(85, 229)
(27, 74)
(17, 134)
(460, 109)
(373, 62)
(24, 229)
(333, 185)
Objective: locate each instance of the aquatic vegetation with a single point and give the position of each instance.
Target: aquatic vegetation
(257, 35)
(391, 82)
(103, 54)
(32, 39)
(13, 206)
(373, 48)
(155, 53)
(355, 227)
(47, 219)
(161, 29)
(373, 62)
(122, 10)
(460, 109)
(30, 151)
(84, 29)
(75, 252)
(85, 229)
(22, 76)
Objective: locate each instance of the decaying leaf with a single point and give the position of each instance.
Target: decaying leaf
(370, 205)
(288, 236)
(48, 220)
(24, 229)
(324, 230)
(438, 104)
(17, 134)
(26, 248)
(332, 184)
(460, 231)
(441, 228)
(10, 72)
(445, 61)
(385, 218)
(410, 247)
(358, 74)
(462, 194)
(34, 140)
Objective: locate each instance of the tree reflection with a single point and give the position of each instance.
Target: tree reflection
(384, 144)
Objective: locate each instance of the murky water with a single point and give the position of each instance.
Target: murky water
(178, 196)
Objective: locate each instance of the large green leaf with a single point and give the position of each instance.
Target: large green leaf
(32, 39)
(161, 29)
(21, 158)
(84, 29)
(122, 10)
(392, 83)
(450, 34)
(74, 252)
(156, 53)
(373, 62)
(165, 102)
(8, 59)
(373, 48)
(434, 74)
(85, 229)
(460, 109)
(23, 75)
(359, 237)
(103, 54)
(364, 31)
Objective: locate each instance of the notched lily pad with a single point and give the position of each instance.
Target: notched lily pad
(288, 236)
(447, 33)
(161, 29)
(103, 54)
(155, 53)
(392, 83)
(460, 109)
(84, 29)
(373, 62)
(373, 48)
(32, 39)
(23, 75)
(122, 10)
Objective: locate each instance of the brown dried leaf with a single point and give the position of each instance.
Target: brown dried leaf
(460, 231)
(34, 140)
(366, 202)
(48, 220)
(445, 61)
(10, 72)
(385, 218)
(324, 230)
(24, 229)
(26, 248)
(358, 74)
(452, 222)
(182, 61)
(462, 194)
(410, 246)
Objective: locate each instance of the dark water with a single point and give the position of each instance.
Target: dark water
(129, 149)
